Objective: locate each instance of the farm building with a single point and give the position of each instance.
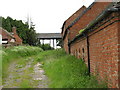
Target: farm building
(10, 38)
(94, 36)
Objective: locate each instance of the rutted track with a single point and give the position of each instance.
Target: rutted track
(29, 75)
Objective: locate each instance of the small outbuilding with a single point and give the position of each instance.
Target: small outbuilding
(10, 38)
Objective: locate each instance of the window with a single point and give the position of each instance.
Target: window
(83, 50)
(79, 50)
(83, 54)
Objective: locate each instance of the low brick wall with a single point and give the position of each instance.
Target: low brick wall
(65, 45)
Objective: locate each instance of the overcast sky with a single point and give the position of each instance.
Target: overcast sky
(47, 15)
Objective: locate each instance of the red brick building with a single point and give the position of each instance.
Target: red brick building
(10, 38)
(99, 44)
(18, 40)
(66, 24)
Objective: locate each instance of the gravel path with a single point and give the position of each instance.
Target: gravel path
(36, 76)
(40, 76)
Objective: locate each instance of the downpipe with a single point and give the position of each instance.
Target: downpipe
(88, 53)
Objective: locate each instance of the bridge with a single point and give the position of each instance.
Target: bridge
(49, 36)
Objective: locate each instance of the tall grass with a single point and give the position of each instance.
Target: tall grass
(66, 71)
(11, 54)
(0, 65)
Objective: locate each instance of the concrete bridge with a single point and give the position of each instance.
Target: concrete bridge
(49, 36)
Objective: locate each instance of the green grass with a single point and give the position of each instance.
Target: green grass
(63, 70)
(14, 53)
(66, 71)
(25, 84)
(0, 66)
(21, 55)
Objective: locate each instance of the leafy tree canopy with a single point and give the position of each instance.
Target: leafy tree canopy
(28, 35)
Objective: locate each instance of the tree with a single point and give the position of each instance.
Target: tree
(27, 34)
(59, 42)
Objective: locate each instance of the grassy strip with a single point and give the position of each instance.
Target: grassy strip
(11, 54)
(65, 71)
(23, 77)
(0, 67)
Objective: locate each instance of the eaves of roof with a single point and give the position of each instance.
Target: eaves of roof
(78, 18)
(7, 32)
(73, 17)
(98, 19)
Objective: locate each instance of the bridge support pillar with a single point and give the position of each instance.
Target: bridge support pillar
(53, 44)
(43, 42)
(50, 42)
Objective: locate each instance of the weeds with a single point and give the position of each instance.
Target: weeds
(63, 70)
(66, 71)
(12, 54)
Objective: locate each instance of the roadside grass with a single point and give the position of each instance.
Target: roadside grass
(14, 53)
(0, 65)
(66, 71)
(25, 84)
(22, 72)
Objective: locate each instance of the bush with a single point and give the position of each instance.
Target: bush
(46, 47)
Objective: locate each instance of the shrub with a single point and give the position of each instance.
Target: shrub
(46, 47)
(81, 31)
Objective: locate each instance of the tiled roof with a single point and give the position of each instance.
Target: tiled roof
(113, 7)
(73, 17)
(17, 38)
(4, 36)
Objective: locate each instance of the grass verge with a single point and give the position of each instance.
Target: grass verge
(66, 71)
(14, 53)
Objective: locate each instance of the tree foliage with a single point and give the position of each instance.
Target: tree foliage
(28, 35)
(59, 42)
(45, 46)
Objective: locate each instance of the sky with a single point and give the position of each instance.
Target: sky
(48, 16)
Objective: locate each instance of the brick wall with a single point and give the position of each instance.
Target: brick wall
(104, 54)
(119, 53)
(65, 45)
(79, 49)
(67, 23)
(86, 18)
(18, 40)
(72, 18)
(104, 50)
(9, 36)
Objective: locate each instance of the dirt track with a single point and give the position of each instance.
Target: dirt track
(29, 75)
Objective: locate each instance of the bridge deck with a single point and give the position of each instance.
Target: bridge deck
(49, 36)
